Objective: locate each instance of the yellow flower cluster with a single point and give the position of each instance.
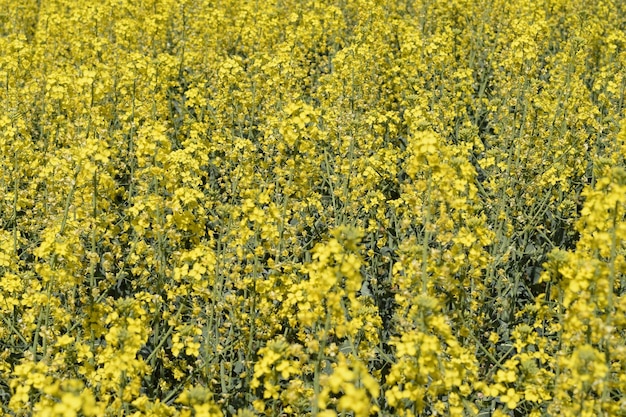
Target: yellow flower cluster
(312, 208)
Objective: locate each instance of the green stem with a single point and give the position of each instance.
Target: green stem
(318, 366)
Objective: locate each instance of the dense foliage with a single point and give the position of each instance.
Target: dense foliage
(290, 208)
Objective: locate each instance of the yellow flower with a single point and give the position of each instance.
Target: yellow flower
(511, 398)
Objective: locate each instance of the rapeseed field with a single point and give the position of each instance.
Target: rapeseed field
(312, 208)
